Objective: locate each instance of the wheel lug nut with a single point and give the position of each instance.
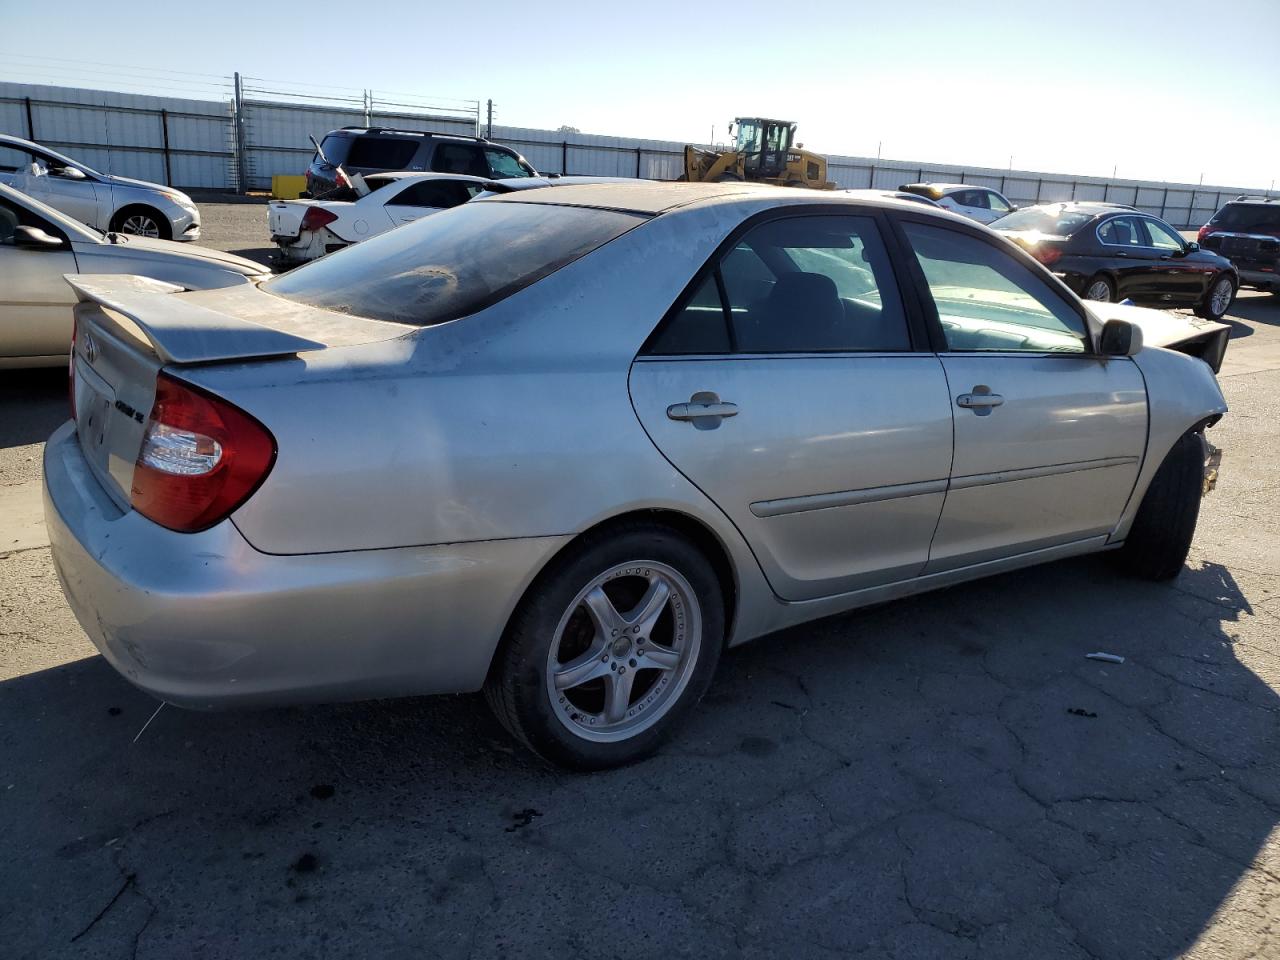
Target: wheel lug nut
(633, 663)
(613, 666)
(621, 671)
(605, 658)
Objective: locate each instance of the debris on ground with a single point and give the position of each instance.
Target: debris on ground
(1105, 657)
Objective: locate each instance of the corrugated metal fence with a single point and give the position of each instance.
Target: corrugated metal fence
(241, 143)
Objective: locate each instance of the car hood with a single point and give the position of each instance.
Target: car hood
(1160, 328)
(146, 248)
(117, 181)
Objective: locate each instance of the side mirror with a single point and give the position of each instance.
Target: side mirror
(1192, 246)
(1120, 338)
(33, 238)
(69, 173)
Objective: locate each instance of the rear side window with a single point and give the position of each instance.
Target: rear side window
(503, 165)
(454, 263)
(459, 158)
(383, 153)
(434, 193)
(12, 159)
(798, 285)
(1122, 232)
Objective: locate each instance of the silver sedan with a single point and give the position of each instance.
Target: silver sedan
(39, 246)
(101, 200)
(567, 445)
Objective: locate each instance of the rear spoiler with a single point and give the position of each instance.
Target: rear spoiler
(179, 330)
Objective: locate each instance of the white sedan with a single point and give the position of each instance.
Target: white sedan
(308, 229)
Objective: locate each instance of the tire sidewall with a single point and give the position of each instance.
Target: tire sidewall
(162, 224)
(537, 623)
(1207, 304)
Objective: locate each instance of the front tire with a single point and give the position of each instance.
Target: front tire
(611, 649)
(142, 222)
(1161, 535)
(1100, 288)
(1217, 299)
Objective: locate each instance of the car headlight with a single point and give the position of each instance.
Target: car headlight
(181, 200)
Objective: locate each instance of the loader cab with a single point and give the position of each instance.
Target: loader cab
(763, 145)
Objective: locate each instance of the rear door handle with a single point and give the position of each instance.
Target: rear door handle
(704, 410)
(981, 400)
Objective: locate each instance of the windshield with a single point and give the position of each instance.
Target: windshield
(454, 263)
(1048, 220)
(1249, 216)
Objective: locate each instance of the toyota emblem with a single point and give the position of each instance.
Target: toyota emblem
(90, 348)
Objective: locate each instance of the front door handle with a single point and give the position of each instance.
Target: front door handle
(704, 410)
(981, 400)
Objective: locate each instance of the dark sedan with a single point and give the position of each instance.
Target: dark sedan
(1104, 251)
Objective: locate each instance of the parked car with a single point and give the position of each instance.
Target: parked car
(894, 195)
(1108, 252)
(977, 203)
(366, 150)
(103, 201)
(40, 245)
(569, 468)
(1247, 232)
(307, 229)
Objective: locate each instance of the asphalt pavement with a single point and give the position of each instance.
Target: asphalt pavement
(946, 776)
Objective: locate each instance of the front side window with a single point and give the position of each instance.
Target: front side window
(975, 198)
(988, 301)
(503, 165)
(452, 264)
(13, 215)
(1122, 232)
(1162, 237)
(462, 158)
(815, 284)
(997, 202)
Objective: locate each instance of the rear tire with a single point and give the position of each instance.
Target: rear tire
(589, 677)
(1161, 535)
(1100, 288)
(1217, 299)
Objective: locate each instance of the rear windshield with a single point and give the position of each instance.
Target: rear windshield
(1055, 223)
(1249, 216)
(335, 147)
(453, 263)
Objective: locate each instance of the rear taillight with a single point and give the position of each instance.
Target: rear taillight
(71, 372)
(340, 177)
(1046, 254)
(317, 217)
(201, 458)
(1204, 232)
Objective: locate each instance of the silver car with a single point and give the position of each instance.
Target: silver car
(103, 201)
(39, 246)
(567, 445)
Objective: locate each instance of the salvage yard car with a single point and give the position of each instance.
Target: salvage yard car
(567, 445)
(366, 150)
(304, 230)
(103, 201)
(1110, 252)
(39, 246)
(977, 203)
(1247, 232)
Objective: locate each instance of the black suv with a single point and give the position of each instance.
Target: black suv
(380, 150)
(1247, 232)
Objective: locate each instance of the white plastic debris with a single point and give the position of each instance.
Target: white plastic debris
(1106, 657)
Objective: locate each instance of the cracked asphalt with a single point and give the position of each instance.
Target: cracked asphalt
(946, 776)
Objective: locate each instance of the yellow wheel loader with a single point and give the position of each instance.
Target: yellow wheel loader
(763, 153)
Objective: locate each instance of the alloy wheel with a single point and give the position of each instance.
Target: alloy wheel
(624, 651)
(141, 225)
(1098, 290)
(1220, 299)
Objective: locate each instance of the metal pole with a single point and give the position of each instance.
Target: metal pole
(241, 164)
(368, 108)
(1039, 184)
(871, 178)
(1164, 202)
(637, 163)
(31, 124)
(488, 127)
(1106, 189)
(1074, 185)
(564, 157)
(164, 128)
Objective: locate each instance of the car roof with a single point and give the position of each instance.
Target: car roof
(947, 187)
(1096, 207)
(653, 197)
(419, 175)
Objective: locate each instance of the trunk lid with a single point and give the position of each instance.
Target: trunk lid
(128, 328)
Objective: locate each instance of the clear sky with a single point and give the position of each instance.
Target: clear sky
(1164, 90)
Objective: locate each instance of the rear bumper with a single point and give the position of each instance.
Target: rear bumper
(1265, 279)
(205, 620)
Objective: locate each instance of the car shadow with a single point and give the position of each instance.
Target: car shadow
(33, 403)
(1255, 308)
(947, 776)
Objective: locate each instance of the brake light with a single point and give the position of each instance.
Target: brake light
(1048, 255)
(201, 458)
(317, 217)
(1204, 232)
(340, 177)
